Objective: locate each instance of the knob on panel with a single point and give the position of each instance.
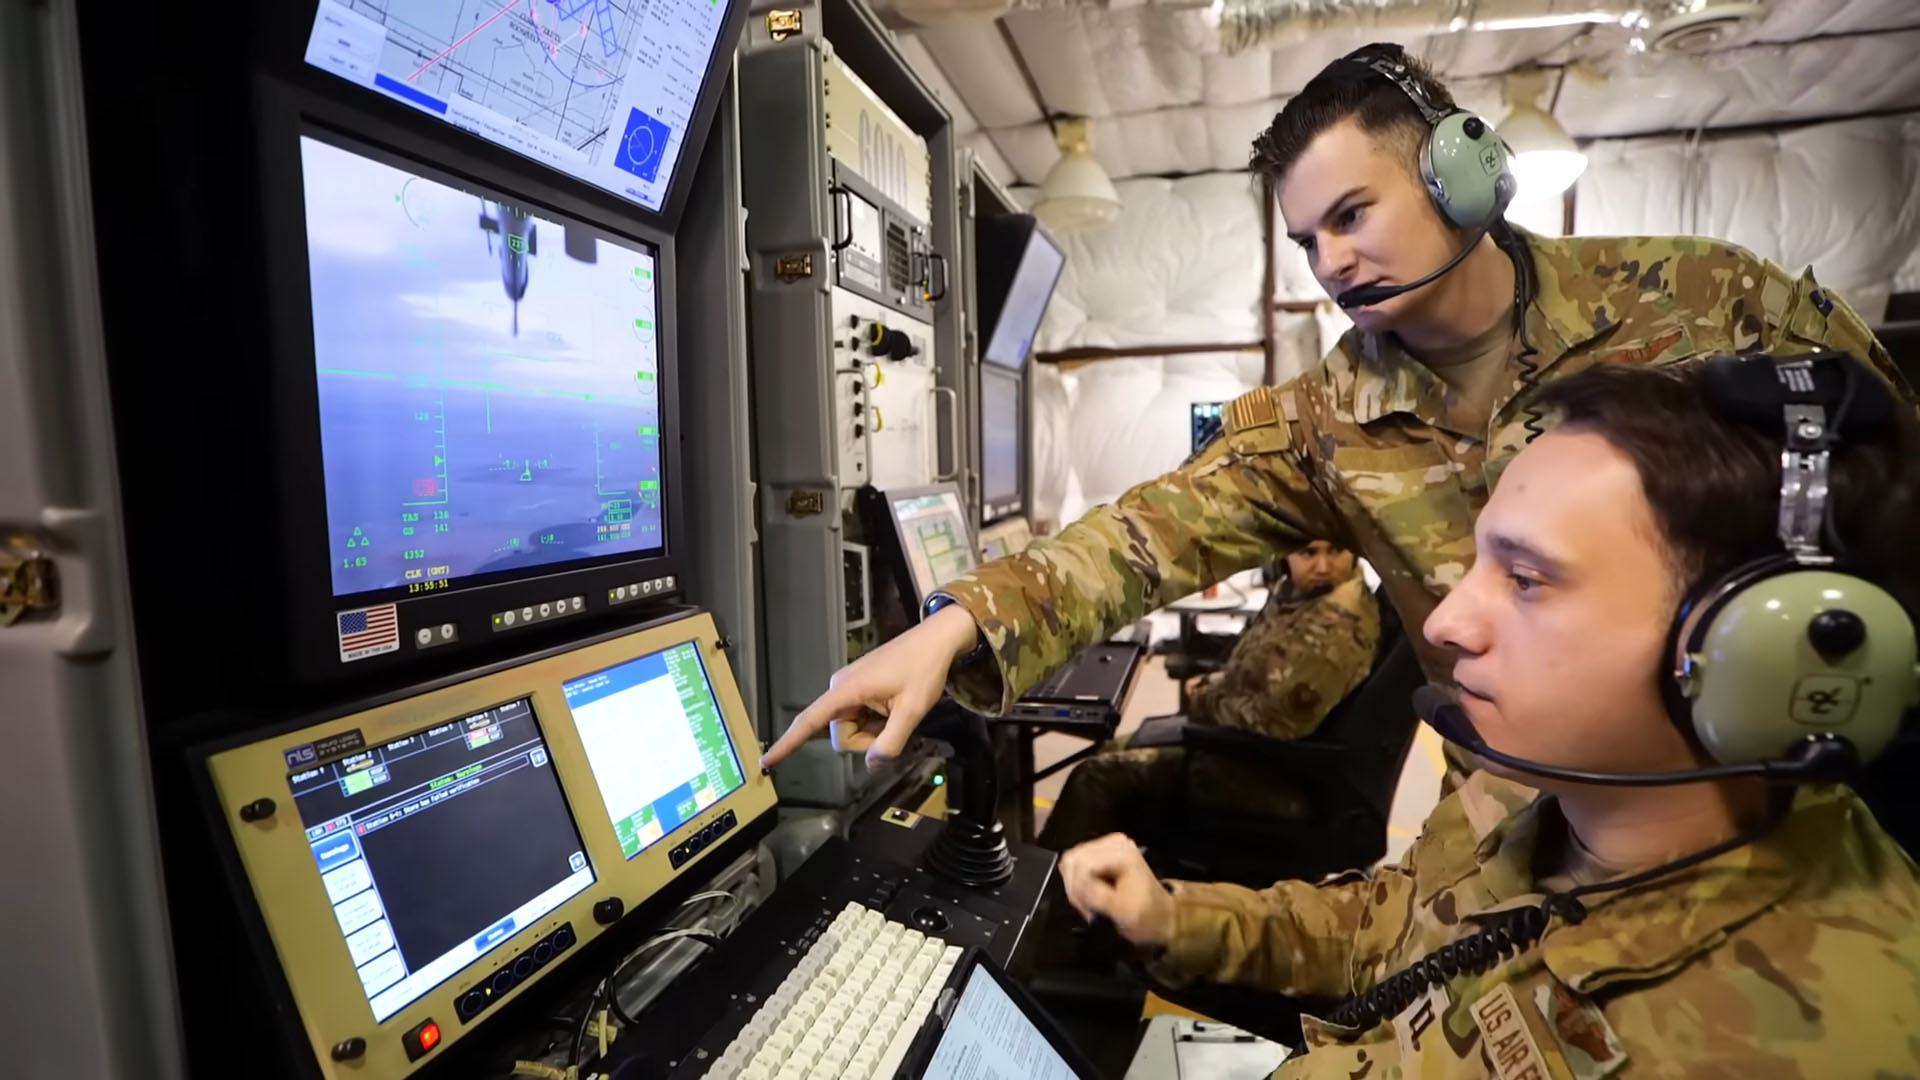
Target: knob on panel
(607, 912)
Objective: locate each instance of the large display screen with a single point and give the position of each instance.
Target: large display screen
(935, 538)
(602, 90)
(657, 743)
(1027, 296)
(437, 847)
(1000, 443)
(488, 381)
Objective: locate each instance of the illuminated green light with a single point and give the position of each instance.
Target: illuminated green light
(939, 779)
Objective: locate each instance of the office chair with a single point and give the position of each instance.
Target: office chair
(1346, 773)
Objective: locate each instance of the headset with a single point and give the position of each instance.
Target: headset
(1466, 166)
(1790, 667)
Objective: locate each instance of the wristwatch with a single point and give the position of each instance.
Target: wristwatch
(935, 603)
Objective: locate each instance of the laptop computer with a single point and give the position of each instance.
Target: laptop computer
(1086, 691)
(986, 1027)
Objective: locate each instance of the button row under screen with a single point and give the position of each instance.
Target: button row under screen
(699, 841)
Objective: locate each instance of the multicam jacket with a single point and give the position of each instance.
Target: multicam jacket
(1294, 662)
(1795, 957)
(1370, 449)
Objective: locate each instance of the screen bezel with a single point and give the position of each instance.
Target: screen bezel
(287, 33)
(706, 671)
(288, 114)
(1009, 505)
(945, 487)
(1001, 243)
(280, 900)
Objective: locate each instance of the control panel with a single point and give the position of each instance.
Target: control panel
(418, 860)
(885, 393)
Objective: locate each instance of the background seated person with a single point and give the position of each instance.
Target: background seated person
(1796, 954)
(1305, 651)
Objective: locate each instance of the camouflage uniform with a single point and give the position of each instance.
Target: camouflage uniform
(1797, 956)
(1299, 658)
(1369, 449)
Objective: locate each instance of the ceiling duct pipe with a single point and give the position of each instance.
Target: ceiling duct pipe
(1666, 25)
(1678, 26)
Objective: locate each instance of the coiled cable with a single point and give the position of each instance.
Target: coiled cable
(1507, 933)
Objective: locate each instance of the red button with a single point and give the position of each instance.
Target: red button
(421, 1039)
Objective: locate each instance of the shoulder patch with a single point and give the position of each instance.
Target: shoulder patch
(1775, 294)
(1588, 1045)
(1509, 1045)
(1251, 410)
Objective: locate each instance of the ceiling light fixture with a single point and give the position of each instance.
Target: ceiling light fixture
(1546, 162)
(1077, 193)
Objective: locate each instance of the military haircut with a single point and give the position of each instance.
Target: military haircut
(1713, 482)
(1339, 93)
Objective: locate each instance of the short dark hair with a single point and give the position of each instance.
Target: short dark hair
(1341, 91)
(1713, 481)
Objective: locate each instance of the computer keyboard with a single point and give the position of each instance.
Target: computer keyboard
(685, 1032)
(850, 1007)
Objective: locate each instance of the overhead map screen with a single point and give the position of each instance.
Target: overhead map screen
(656, 741)
(487, 381)
(436, 847)
(602, 90)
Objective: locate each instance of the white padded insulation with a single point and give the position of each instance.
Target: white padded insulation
(965, 126)
(1181, 265)
(1162, 97)
(1838, 197)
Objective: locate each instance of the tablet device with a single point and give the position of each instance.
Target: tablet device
(985, 1027)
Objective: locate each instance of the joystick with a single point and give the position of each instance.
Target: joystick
(972, 849)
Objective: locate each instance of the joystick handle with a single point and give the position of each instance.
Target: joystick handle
(972, 849)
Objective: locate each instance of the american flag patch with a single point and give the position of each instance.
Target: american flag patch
(1251, 410)
(368, 632)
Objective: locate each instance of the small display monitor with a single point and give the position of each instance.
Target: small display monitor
(616, 95)
(1206, 423)
(488, 383)
(1003, 488)
(1019, 265)
(436, 846)
(935, 540)
(654, 737)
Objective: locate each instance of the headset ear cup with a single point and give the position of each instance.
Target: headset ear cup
(1688, 635)
(1465, 165)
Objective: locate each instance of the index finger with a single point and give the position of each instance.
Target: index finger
(812, 720)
